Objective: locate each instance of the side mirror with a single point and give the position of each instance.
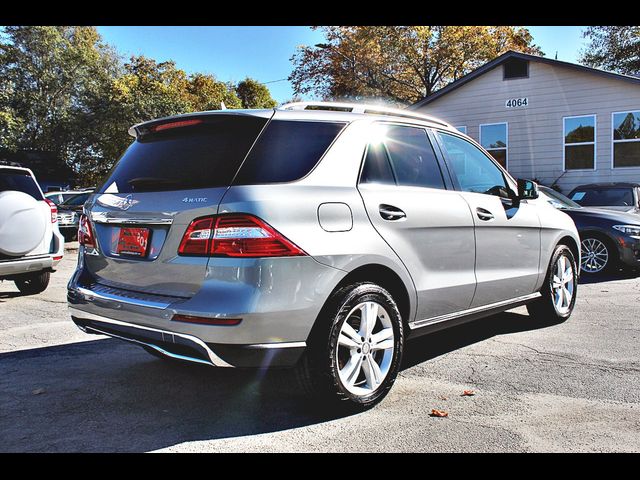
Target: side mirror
(527, 189)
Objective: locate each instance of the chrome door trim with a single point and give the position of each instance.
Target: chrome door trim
(214, 359)
(452, 316)
(109, 217)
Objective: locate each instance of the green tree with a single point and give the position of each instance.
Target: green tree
(401, 64)
(254, 94)
(613, 48)
(47, 72)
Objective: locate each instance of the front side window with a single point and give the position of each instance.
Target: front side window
(493, 137)
(474, 171)
(579, 142)
(626, 139)
(401, 155)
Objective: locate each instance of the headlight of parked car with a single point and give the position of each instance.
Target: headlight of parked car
(633, 230)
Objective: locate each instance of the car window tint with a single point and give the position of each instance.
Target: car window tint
(287, 151)
(604, 196)
(204, 155)
(474, 171)
(376, 167)
(20, 181)
(403, 154)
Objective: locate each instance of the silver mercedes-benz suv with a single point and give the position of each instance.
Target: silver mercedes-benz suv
(314, 235)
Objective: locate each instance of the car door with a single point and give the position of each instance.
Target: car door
(429, 226)
(507, 230)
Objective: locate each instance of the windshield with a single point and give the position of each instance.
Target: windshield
(557, 199)
(622, 197)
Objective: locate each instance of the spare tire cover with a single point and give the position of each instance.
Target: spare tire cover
(22, 223)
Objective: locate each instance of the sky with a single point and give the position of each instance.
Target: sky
(263, 53)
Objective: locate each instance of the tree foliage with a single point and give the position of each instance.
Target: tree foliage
(399, 63)
(69, 95)
(254, 94)
(613, 48)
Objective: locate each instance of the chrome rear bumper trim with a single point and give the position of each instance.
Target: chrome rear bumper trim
(215, 360)
(91, 294)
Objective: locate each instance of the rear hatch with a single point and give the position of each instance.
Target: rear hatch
(176, 170)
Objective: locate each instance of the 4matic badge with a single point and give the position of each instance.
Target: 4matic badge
(194, 199)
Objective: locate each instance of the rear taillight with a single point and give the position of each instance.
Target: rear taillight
(54, 210)
(85, 234)
(235, 235)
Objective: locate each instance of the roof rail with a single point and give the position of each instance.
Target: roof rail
(360, 108)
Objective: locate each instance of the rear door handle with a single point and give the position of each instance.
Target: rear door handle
(389, 212)
(483, 214)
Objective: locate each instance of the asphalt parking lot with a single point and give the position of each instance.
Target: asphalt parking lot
(571, 387)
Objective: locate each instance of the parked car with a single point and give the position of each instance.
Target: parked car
(318, 236)
(61, 196)
(609, 239)
(68, 214)
(30, 242)
(619, 196)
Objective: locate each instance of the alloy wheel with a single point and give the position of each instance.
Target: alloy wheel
(595, 255)
(563, 284)
(365, 348)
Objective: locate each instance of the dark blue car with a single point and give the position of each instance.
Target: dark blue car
(609, 239)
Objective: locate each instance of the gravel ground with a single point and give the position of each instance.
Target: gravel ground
(572, 387)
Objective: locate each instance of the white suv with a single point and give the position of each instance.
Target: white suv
(30, 241)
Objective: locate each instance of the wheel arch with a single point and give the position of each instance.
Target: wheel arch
(383, 276)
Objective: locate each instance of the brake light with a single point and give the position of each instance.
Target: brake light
(181, 123)
(85, 234)
(235, 235)
(54, 210)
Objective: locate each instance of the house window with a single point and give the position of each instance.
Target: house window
(462, 129)
(515, 68)
(580, 142)
(493, 137)
(626, 139)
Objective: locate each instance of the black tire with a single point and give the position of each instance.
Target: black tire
(544, 309)
(32, 283)
(317, 371)
(613, 261)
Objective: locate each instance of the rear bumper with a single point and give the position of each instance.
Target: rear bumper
(23, 265)
(188, 347)
(277, 301)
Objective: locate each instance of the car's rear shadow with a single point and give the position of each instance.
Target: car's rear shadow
(107, 395)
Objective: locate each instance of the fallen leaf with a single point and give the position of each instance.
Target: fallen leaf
(38, 391)
(438, 413)
(468, 393)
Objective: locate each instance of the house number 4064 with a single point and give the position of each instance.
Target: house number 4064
(516, 102)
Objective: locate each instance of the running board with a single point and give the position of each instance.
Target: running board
(473, 313)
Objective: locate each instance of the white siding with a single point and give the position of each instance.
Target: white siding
(536, 131)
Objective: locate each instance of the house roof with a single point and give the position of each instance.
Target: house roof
(523, 56)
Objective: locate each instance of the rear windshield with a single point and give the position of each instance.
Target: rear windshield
(604, 196)
(287, 151)
(76, 200)
(197, 156)
(21, 181)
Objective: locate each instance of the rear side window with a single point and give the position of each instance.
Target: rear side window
(402, 155)
(20, 181)
(604, 196)
(287, 151)
(204, 155)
